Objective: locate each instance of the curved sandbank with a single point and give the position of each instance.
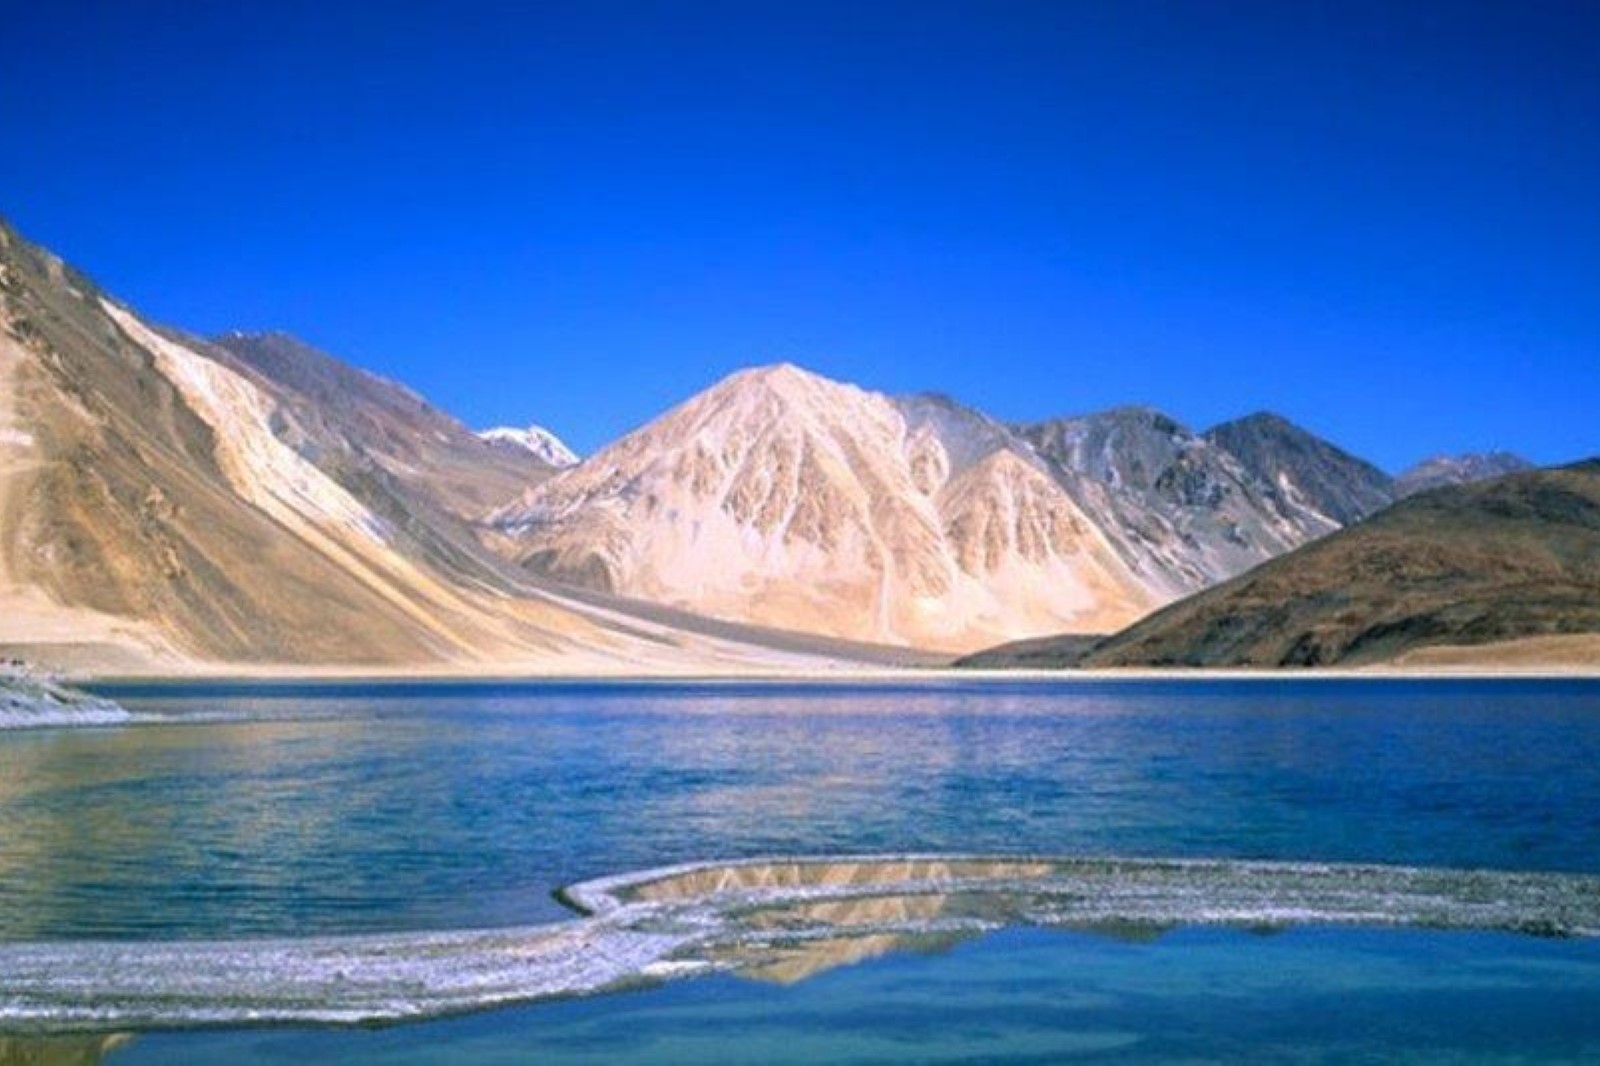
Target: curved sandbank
(774, 919)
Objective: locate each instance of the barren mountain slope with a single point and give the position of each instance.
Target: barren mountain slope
(380, 429)
(783, 498)
(1180, 505)
(163, 504)
(1309, 473)
(1513, 562)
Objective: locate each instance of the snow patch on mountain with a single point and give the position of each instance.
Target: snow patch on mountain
(536, 439)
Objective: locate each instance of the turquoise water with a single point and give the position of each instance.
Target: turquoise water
(238, 812)
(1313, 995)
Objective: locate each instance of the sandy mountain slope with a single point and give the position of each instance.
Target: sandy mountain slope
(1510, 564)
(783, 498)
(167, 504)
(366, 426)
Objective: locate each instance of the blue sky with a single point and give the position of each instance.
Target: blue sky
(1380, 219)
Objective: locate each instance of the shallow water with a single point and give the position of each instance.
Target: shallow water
(1307, 995)
(298, 811)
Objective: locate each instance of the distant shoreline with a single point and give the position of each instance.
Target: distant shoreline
(866, 676)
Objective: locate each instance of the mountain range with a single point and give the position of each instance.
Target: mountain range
(169, 502)
(1442, 470)
(781, 498)
(173, 504)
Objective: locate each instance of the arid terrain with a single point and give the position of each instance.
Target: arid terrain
(248, 504)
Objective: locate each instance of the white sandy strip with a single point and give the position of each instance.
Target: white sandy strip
(690, 919)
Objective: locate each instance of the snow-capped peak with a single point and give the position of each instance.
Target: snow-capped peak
(536, 439)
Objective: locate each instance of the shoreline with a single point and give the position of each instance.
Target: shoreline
(843, 676)
(30, 700)
(704, 917)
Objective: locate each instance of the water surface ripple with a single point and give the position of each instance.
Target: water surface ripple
(310, 810)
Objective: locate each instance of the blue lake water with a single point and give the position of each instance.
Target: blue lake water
(1039, 997)
(288, 811)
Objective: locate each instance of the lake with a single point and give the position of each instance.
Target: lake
(286, 814)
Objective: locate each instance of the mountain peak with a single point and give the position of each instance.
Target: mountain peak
(784, 498)
(1440, 470)
(1135, 412)
(276, 337)
(779, 371)
(781, 379)
(286, 358)
(759, 395)
(1262, 420)
(1140, 417)
(1307, 470)
(536, 439)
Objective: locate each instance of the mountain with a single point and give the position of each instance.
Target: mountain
(1513, 562)
(173, 502)
(536, 440)
(359, 424)
(1458, 470)
(1310, 473)
(169, 503)
(783, 498)
(1178, 504)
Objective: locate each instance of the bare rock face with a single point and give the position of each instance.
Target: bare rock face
(1179, 506)
(782, 498)
(173, 498)
(170, 500)
(1309, 472)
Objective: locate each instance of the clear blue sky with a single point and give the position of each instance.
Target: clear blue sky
(1381, 219)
